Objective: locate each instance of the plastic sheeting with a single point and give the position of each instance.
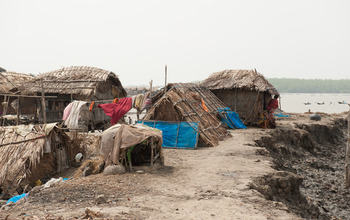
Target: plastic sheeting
(176, 134)
(231, 118)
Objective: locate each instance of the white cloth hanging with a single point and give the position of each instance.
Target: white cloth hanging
(73, 118)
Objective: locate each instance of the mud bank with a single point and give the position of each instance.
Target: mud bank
(310, 158)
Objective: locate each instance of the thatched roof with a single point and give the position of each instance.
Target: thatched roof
(79, 80)
(28, 154)
(181, 103)
(18, 159)
(211, 101)
(11, 80)
(239, 79)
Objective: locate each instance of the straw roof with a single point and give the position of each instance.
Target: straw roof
(239, 79)
(212, 102)
(79, 80)
(180, 103)
(18, 158)
(11, 80)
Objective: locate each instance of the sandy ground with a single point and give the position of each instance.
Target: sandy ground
(207, 183)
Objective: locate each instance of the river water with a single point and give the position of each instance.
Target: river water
(315, 102)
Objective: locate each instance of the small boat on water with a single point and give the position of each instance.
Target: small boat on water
(343, 102)
(320, 103)
(307, 103)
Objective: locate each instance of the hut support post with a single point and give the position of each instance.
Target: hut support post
(347, 152)
(18, 105)
(152, 152)
(43, 101)
(166, 76)
(150, 86)
(236, 100)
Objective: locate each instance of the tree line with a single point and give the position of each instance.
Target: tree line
(290, 85)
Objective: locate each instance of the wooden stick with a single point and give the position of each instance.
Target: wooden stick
(43, 101)
(166, 76)
(151, 152)
(347, 152)
(18, 142)
(18, 105)
(27, 96)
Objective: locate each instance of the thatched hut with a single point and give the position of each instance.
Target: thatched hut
(183, 102)
(247, 92)
(11, 84)
(76, 83)
(29, 154)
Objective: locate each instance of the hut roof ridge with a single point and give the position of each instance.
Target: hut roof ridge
(244, 79)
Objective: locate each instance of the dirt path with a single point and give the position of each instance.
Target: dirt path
(207, 183)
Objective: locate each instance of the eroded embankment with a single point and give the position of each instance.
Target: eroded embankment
(310, 159)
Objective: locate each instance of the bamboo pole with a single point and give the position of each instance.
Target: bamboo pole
(26, 96)
(152, 152)
(347, 152)
(19, 142)
(43, 101)
(166, 76)
(151, 86)
(18, 110)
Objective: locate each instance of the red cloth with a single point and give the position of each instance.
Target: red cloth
(117, 110)
(273, 104)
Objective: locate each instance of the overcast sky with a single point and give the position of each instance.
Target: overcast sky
(135, 39)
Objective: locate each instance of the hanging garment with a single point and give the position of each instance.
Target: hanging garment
(147, 101)
(117, 110)
(91, 106)
(73, 118)
(66, 111)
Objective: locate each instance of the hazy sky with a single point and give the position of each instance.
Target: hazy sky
(135, 39)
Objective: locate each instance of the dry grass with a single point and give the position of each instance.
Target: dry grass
(18, 160)
(89, 80)
(182, 103)
(13, 80)
(239, 79)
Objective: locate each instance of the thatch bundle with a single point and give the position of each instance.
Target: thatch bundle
(78, 80)
(239, 79)
(183, 103)
(10, 81)
(27, 155)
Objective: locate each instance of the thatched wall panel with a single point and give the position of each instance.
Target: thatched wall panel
(248, 104)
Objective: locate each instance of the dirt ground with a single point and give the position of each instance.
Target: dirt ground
(245, 177)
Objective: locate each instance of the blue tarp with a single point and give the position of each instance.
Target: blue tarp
(176, 134)
(281, 115)
(16, 198)
(231, 118)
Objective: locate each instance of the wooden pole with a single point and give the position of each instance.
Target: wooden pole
(347, 152)
(18, 110)
(43, 101)
(152, 152)
(150, 86)
(236, 100)
(166, 76)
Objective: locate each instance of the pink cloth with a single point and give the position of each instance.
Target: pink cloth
(117, 110)
(66, 111)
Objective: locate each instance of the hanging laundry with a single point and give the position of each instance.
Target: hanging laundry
(147, 101)
(66, 111)
(73, 117)
(117, 110)
(91, 106)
